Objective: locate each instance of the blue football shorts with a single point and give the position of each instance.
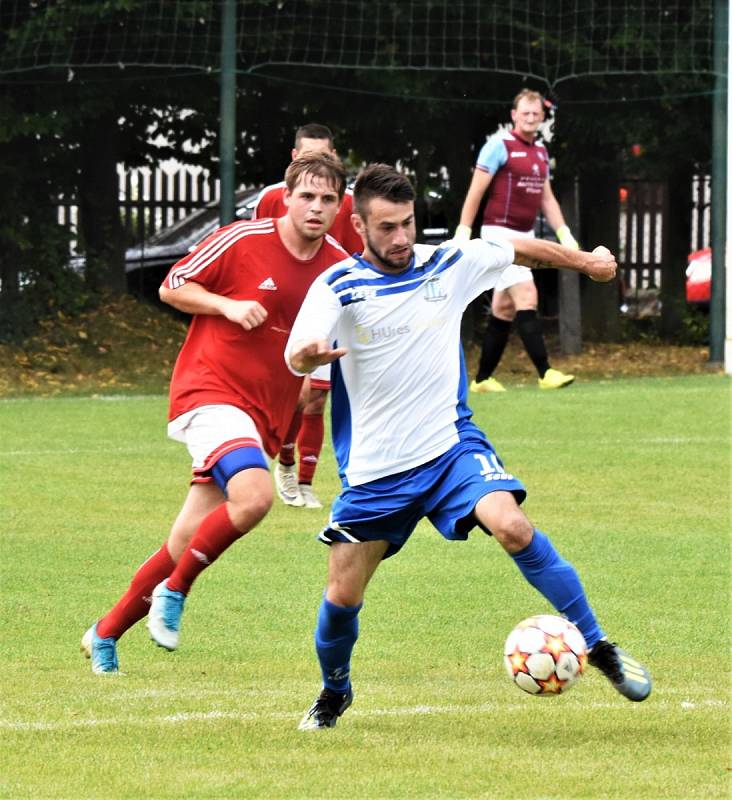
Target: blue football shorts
(445, 490)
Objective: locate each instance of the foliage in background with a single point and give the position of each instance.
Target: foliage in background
(123, 344)
(119, 344)
(35, 277)
(64, 129)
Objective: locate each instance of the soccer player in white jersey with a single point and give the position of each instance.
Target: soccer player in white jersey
(389, 323)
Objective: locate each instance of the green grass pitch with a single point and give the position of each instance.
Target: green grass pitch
(630, 478)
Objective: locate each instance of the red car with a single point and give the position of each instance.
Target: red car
(699, 277)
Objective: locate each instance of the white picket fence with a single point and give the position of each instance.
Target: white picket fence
(151, 199)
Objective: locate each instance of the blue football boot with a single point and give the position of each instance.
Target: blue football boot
(163, 619)
(102, 652)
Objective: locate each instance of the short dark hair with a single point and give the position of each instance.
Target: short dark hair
(322, 165)
(380, 180)
(313, 130)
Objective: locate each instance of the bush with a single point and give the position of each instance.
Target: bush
(36, 279)
(696, 326)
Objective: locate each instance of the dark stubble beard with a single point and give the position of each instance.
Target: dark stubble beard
(387, 262)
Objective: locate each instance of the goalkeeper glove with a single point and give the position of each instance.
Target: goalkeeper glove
(463, 232)
(565, 237)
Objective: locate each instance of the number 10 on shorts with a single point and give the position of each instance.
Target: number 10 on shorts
(491, 468)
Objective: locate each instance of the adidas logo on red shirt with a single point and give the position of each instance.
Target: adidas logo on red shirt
(268, 284)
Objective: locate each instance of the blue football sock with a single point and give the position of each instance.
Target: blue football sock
(335, 636)
(558, 581)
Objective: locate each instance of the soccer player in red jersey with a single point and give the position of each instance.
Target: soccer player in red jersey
(513, 169)
(295, 482)
(312, 138)
(232, 396)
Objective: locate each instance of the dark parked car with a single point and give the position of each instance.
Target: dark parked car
(148, 263)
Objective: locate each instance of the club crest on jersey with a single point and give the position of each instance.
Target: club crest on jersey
(433, 291)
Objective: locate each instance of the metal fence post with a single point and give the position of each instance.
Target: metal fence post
(719, 187)
(227, 122)
(570, 306)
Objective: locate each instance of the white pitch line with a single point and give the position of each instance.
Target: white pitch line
(245, 716)
(538, 443)
(104, 398)
(72, 451)
(631, 441)
(610, 385)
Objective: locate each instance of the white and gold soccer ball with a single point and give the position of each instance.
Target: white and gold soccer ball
(545, 655)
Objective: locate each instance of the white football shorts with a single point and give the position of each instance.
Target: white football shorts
(210, 432)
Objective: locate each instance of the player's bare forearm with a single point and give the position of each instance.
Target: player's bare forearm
(599, 265)
(469, 209)
(478, 187)
(304, 356)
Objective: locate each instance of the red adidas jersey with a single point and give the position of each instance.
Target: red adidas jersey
(271, 204)
(220, 362)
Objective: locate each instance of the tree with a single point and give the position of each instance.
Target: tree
(34, 274)
(102, 116)
(414, 109)
(595, 133)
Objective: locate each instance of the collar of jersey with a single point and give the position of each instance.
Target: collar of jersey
(517, 135)
(389, 276)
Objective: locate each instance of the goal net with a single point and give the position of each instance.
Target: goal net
(550, 40)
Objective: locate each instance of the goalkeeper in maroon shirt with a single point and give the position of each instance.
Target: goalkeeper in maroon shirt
(513, 169)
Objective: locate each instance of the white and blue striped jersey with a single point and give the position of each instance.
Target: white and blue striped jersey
(399, 396)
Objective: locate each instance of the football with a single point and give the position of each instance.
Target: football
(545, 655)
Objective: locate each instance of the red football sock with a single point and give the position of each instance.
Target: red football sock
(135, 602)
(309, 445)
(214, 535)
(287, 451)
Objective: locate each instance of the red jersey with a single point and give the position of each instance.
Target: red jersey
(271, 204)
(220, 362)
(519, 170)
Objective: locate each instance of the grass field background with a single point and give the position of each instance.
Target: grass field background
(630, 478)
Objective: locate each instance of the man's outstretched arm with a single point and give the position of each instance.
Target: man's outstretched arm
(599, 265)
